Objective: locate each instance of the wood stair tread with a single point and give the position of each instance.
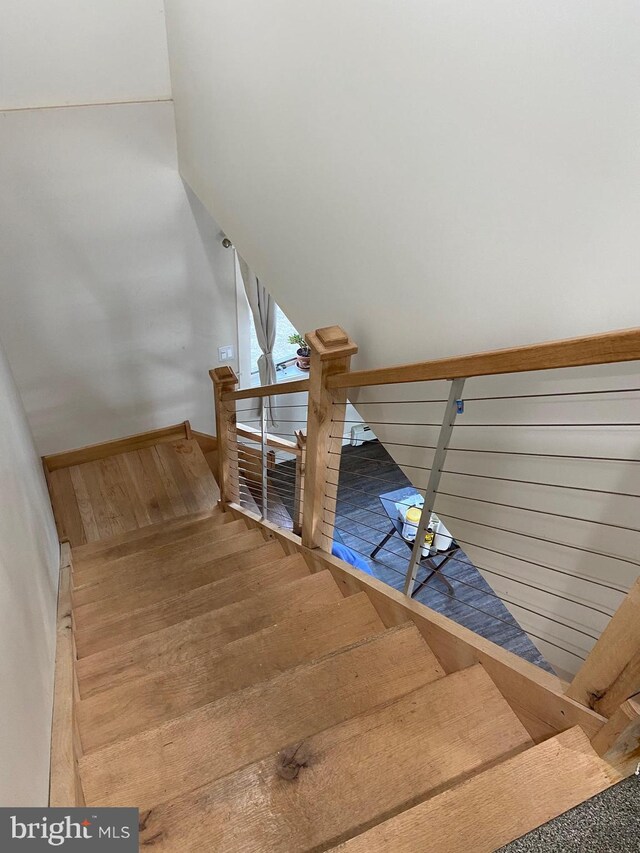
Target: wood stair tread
(150, 558)
(193, 637)
(143, 537)
(109, 599)
(227, 734)
(497, 806)
(99, 635)
(357, 771)
(118, 713)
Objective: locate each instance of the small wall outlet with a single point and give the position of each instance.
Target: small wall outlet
(225, 353)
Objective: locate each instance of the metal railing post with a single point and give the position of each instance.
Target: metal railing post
(448, 421)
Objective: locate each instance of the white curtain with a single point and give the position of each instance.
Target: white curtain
(263, 309)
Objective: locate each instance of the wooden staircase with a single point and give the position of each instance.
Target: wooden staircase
(244, 702)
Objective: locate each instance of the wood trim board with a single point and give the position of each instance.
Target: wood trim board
(65, 788)
(607, 348)
(92, 452)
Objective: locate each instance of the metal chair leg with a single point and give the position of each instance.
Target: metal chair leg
(383, 543)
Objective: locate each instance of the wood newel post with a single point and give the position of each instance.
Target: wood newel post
(225, 380)
(331, 351)
(301, 464)
(611, 672)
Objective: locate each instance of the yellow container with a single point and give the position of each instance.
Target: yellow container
(410, 529)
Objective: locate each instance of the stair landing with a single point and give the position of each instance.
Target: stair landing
(123, 492)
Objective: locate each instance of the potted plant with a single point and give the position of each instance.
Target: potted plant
(303, 352)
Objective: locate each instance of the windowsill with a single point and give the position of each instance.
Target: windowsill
(287, 374)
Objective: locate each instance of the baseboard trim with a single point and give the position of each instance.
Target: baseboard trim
(65, 788)
(208, 443)
(119, 445)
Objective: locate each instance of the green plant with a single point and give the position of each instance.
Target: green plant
(300, 342)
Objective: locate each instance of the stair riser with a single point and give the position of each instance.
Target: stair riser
(222, 737)
(190, 639)
(117, 584)
(370, 766)
(154, 556)
(117, 714)
(252, 582)
(156, 590)
(150, 536)
(486, 813)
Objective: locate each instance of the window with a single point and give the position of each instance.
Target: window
(283, 351)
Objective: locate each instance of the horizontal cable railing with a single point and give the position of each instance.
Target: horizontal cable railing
(264, 442)
(520, 465)
(552, 599)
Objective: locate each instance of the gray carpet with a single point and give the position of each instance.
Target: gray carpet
(608, 823)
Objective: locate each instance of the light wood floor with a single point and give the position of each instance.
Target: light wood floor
(107, 497)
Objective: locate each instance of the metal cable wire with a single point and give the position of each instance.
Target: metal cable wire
(464, 557)
(282, 496)
(282, 478)
(393, 402)
(356, 523)
(361, 491)
(542, 455)
(380, 461)
(402, 444)
(271, 490)
(539, 566)
(363, 524)
(340, 500)
(386, 423)
(544, 539)
(553, 394)
(382, 562)
(552, 593)
(477, 588)
(522, 607)
(372, 477)
(539, 511)
(536, 483)
(257, 397)
(513, 624)
(249, 458)
(531, 426)
(273, 475)
(251, 455)
(364, 539)
(244, 441)
(286, 490)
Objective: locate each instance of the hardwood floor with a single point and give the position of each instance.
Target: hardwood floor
(110, 496)
(365, 473)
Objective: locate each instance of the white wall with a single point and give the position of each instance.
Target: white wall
(116, 291)
(78, 52)
(438, 178)
(29, 561)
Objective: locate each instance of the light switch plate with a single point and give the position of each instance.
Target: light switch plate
(225, 353)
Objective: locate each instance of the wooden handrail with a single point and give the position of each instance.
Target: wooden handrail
(607, 348)
(292, 387)
(272, 440)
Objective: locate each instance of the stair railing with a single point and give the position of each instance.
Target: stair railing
(264, 457)
(579, 600)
